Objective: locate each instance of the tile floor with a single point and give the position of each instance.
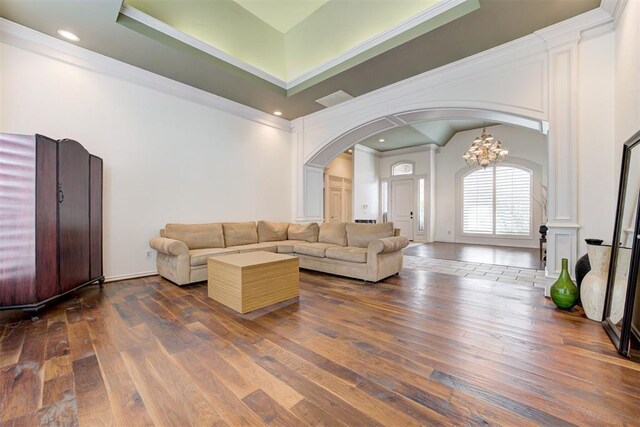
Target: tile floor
(474, 270)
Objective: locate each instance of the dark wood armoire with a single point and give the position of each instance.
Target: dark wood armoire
(50, 220)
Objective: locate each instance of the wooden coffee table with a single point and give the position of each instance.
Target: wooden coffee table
(253, 280)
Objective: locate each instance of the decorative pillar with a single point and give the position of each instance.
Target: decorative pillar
(431, 224)
(308, 186)
(563, 133)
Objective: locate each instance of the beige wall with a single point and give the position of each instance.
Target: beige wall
(341, 166)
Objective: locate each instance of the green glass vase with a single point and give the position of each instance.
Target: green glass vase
(564, 292)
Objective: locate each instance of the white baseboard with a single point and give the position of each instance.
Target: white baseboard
(119, 277)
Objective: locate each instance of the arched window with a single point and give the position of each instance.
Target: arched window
(402, 168)
(497, 201)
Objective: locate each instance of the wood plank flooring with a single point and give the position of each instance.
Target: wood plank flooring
(485, 254)
(418, 349)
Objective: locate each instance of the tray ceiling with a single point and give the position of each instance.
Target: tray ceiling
(432, 44)
(282, 15)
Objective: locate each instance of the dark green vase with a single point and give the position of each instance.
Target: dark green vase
(564, 292)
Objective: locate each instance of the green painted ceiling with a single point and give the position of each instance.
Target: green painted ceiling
(437, 132)
(320, 34)
(104, 30)
(282, 15)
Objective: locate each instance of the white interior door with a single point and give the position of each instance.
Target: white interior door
(335, 209)
(402, 205)
(348, 214)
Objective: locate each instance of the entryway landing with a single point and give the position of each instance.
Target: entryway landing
(485, 254)
(506, 265)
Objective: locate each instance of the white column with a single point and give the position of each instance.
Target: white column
(563, 169)
(313, 194)
(431, 235)
(297, 171)
(307, 181)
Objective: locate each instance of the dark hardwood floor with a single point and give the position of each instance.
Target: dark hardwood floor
(500, 255)
(419, 348)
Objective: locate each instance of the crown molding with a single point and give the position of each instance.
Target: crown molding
(365, 149)
(406, 25)
(409, 150)
(571, 30)
(525, 47)
(25, 38)
(615, 8)
(185, 38)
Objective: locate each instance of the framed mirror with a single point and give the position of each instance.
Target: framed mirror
(625, 255)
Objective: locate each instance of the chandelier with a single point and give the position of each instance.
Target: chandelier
(485, 150)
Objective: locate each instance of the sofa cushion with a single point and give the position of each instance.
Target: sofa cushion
(360, 235)
(312, 249)
(265, 246)
(272, 231)
(303, 232)
(199, 256)
(240, 233)
(286, 246)
(349, 253)
(333, 233)
(196, 236)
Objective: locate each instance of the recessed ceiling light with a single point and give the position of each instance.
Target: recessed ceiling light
(381, 140)
(277, 113)
(351, 150)
(68, 35)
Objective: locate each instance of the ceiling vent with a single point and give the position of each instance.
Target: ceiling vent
(334, 99)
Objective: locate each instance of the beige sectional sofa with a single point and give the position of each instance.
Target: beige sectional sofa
(369, 252)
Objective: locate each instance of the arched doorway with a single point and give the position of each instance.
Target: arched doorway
(326, 152)
(312, 168)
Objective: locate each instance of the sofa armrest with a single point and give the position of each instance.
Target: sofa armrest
(388, 244)
(169, 246)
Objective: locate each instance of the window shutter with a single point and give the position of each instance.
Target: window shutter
(477, 202)
(513, 201)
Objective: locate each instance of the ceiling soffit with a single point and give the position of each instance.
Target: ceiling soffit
(335, 37)
(438, 132)
(141, 46)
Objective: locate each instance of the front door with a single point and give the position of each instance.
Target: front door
(402, 205)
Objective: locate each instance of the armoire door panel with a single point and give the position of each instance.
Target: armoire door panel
(73, 214)
(17, 219)
(95, 207)
(46, 217)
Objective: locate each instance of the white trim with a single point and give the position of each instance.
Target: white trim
(570, 30)
(406, 25)
(536, 182)
(160, 26)
(119, 277)
(25, 38)
(407, 150)
(403, 162)
(563, 225)
(366, 149)
(614, 8)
